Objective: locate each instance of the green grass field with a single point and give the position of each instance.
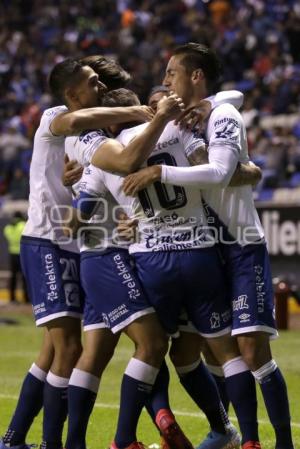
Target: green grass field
(19, 345)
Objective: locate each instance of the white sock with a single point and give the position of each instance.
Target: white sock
(216, 370)
(38, 372)
(57, 381)
(264, 370)
(234, 366)
(181, 370)
(139, 370)
(85, 380)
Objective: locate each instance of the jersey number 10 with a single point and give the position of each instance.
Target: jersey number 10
(179, 199)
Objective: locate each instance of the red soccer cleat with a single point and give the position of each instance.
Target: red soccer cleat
(251, 445)
(172, 435)
(134, 445)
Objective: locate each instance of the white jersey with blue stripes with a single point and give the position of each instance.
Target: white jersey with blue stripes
(234, 206)
(92, 196)
(231, 209)
(169, 217)
(47, 192)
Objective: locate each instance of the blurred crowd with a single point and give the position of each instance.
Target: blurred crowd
(258, 42)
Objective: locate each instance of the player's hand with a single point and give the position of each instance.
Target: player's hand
(72, 172)
(245, 174)
(144, 113)
(170, 107)
(194, 117)
(256, 172)
(135, 182)
(126, 229)
(198, 157)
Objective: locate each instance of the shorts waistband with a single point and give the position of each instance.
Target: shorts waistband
(104, 252)
(27, 239)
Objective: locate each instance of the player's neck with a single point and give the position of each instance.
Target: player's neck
(198, 95)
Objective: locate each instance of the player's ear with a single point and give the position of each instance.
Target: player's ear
(70, 95)
(197, 75)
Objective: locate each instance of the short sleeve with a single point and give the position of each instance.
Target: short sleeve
(92, 182)
(47, 118)
(89, 190)
(192, 141)
(82, 147)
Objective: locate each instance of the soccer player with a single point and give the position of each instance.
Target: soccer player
(236, 98)
(82, 399)
(124, 307)
(51, 267)
(232, 211)
(115, 188)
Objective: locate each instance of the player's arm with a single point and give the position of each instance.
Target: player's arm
(195, 116)
(246, 174)
(73, 222)
(217, 173)
(83, 208)
(113, 157)
(223, 156)
(225, 134)
(71, 123)
(90, 191)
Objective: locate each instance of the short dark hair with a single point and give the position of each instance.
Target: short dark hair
(120, 97)
(110, 72)
(63, 74)
(157, 89)
(198, 56)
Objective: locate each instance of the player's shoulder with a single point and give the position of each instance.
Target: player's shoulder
(85, 138)
(47, 117)
(129, 133)
(50, 113)
(225, 111)
(89, 135)
(223, 117)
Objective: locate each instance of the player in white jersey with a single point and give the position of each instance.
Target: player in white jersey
(232, 212)
(121, 308)
(186, 236)
(91, 275)
(50, 264)
(155, 95)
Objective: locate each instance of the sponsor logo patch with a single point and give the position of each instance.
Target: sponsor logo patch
(244, 317)
(241, 303)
